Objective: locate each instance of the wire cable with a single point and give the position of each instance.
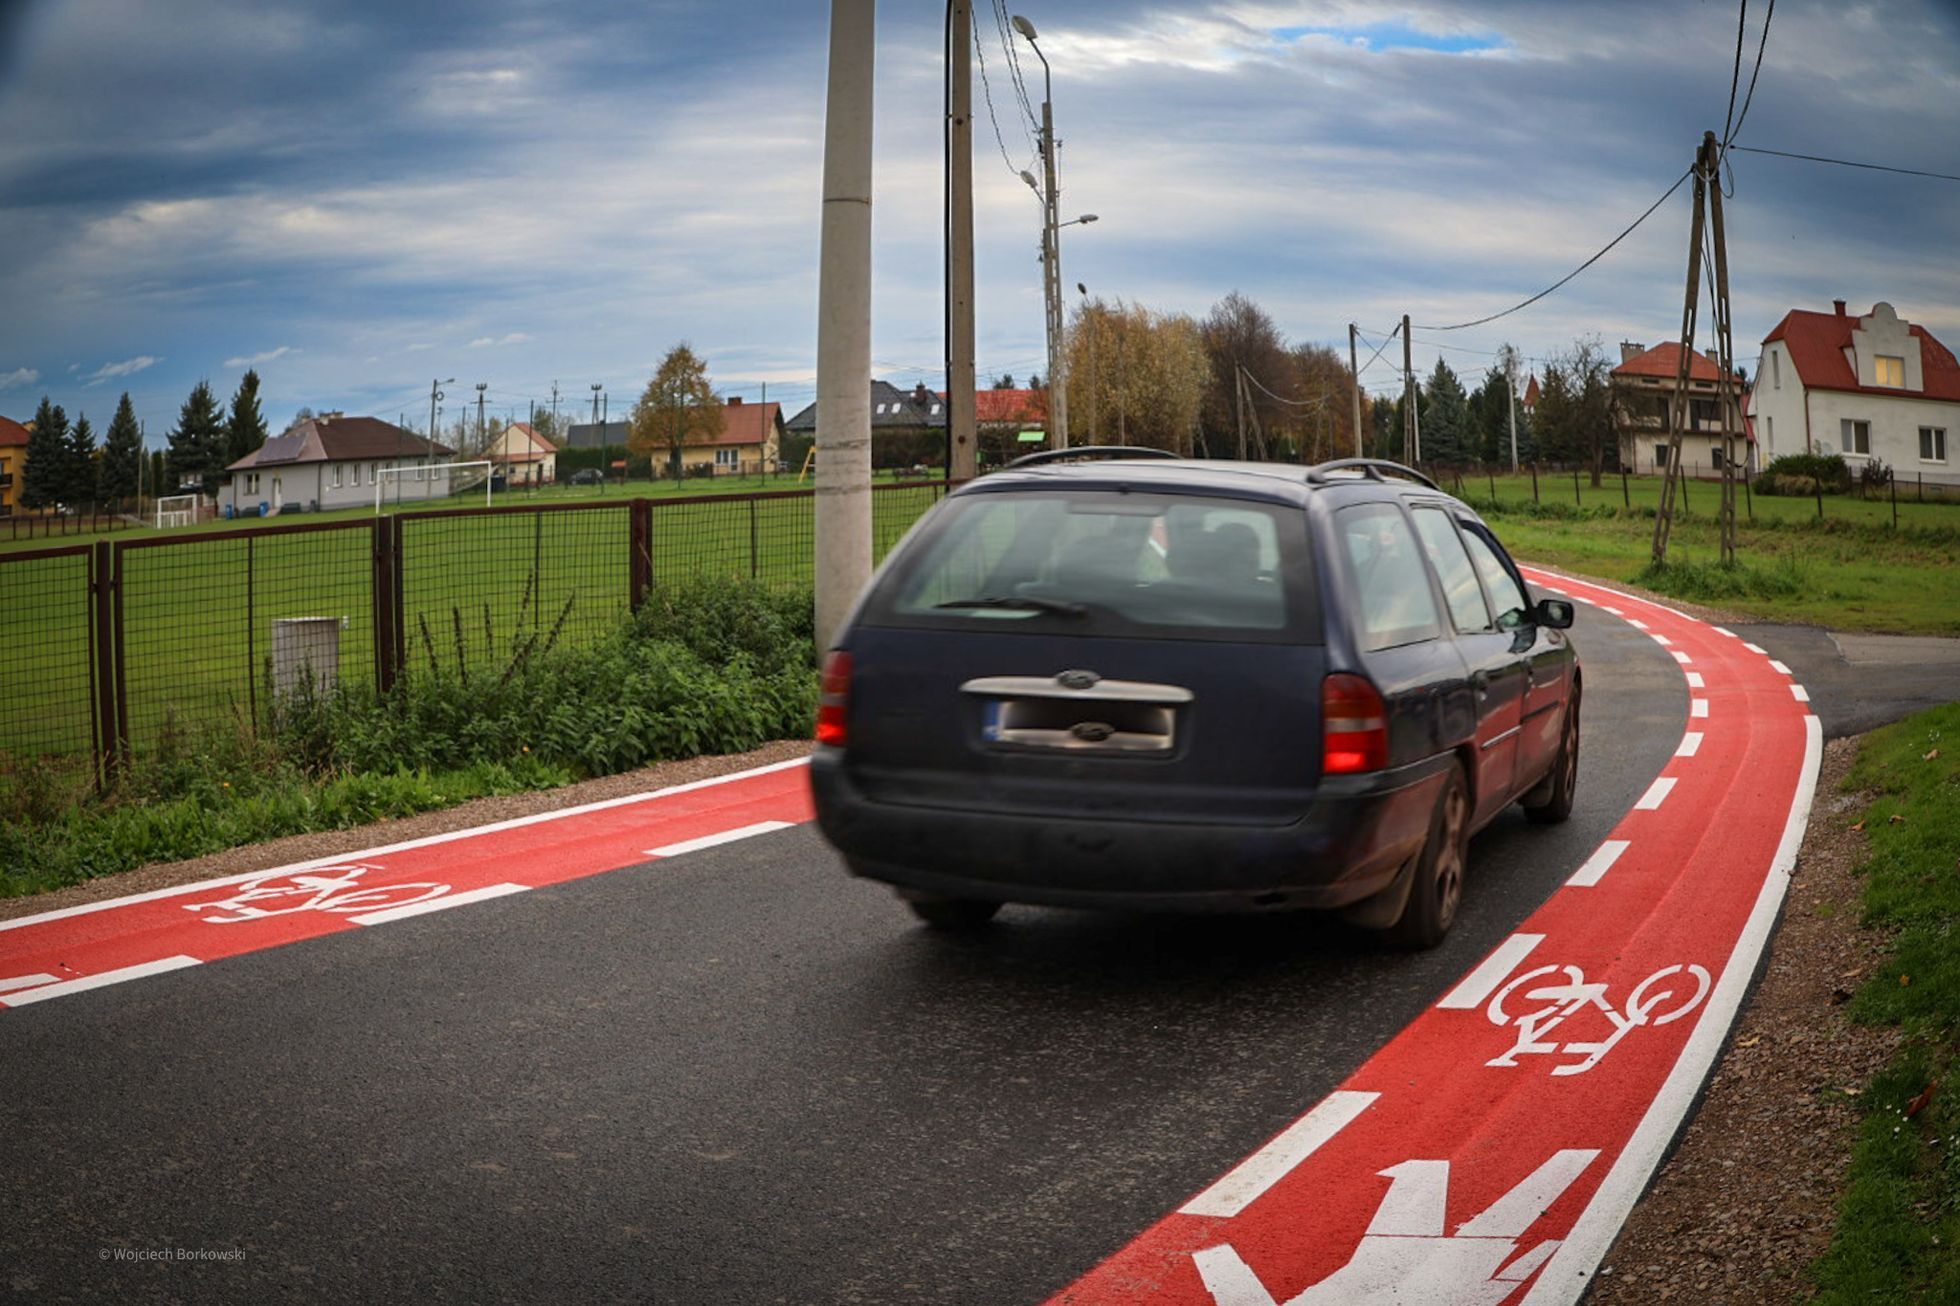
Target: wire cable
(1386, 342)
(1846, 163)
(1735, 74)
(1756, 72)
(1459, 326)
(1296, 403)
(987, 89)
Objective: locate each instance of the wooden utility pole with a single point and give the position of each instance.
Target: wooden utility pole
(962, 451)
(1679, 408)
(1354, 388)
(1238, 403)
(1408, 397)
(1730, 401)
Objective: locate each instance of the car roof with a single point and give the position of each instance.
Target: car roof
(1280, 482)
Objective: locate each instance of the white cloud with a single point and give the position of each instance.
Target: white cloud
(74, 367)
(128, 367)
(19, 376)
(253, 360)
(514, 338)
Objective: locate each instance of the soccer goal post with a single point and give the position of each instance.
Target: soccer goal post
(422, 482)
(177, 510)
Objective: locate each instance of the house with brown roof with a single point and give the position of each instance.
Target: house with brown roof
(1643, 395)
(13, 464)
(522, 456)
(1871, 387)
(334, 461)
(749, 443)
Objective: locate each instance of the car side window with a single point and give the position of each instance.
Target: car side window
(1385, 565)
(1505, 593)
(1452, 564)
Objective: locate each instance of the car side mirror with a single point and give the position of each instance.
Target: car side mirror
(1553, 613)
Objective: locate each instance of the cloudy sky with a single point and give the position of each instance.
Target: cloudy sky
(358, 197)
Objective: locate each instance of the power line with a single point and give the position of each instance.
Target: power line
(1847, 163)
(987, 89)
(1735, 74)
(1387, 340)
(1742, 117)
(1297, 403)
(1459, 326)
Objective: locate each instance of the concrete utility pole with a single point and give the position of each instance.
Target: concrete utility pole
(962, 448)
(1408, 397)
(843, 498)
(1354, 386)
(482, 434)
(554, 410)
(1084, 319)
(1051, 249)
(1511, 385)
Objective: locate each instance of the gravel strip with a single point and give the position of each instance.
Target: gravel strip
(479, 811)
(1749, 1197)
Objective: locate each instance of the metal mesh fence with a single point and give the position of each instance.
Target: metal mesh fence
(214, 626)
(766, 537)
(47, 668)
(478, 588)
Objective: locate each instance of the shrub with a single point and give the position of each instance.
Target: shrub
(1712, 582)
(1786, 473)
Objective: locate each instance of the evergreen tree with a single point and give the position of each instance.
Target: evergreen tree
(122, 451)
(45, 477)
(245, 428)
(197, 446)
(78, 464)
(1445, 419)
(1385, 421)
(156, 479)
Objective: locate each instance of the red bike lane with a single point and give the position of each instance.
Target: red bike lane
(1490, 1151)
(76, 949)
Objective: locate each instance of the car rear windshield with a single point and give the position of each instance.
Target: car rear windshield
(1107, 562)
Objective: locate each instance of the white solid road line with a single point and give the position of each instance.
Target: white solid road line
(443, 903)
(1694, 680)
(1569, 1272)
(1598, 864)
(1778, 667)
(1799, 693)
(1656, 794)
(27, 982)
(1698, 707)
(426, 841)
(1483, 981)
(1690, 744)
(102, 980)
(716, 840)
(1247, 1181)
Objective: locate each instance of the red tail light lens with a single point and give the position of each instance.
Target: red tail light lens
(1353, 726)
(833, 698)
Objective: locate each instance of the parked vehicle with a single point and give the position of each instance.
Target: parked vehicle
(1158, 683)
(588, 476)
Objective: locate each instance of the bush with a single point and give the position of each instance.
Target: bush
(1874, 475)
(1713, 582)
(1801, 473)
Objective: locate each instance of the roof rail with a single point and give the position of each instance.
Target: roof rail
(1088, 451)
(1372, 468)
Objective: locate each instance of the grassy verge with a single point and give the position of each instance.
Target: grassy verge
(1900, 1216)
(704, 667)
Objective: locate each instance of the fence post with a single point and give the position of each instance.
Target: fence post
(382, 597)
(1534, 482)
(1748, 503)
(1892, 488)
(640, 549)
(1626, 494)
(1818, 485)
(109, 734)
(1576, 501)
(1492, 477)
(755, 556)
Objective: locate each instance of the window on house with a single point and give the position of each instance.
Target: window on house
(1856, 437)
(935, 410)
(372, 477)
(1932, 444)
(1775, 370)
(728, 457)
(1769, 434)
(1889, 371)
(1660, 455)
(336, 476)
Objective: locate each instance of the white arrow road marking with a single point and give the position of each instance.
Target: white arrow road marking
(1246, 1182)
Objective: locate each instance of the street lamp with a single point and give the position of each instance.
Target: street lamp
(1051, 254)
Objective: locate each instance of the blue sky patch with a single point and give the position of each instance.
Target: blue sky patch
(1397, 36)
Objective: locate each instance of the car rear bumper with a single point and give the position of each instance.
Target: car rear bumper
(1355, 834)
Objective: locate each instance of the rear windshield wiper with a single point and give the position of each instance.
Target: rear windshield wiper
(1019, 603)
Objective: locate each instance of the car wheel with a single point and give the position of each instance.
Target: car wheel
(1438, 887)
(952, 913)
(1563, 782)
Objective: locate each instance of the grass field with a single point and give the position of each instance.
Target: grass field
(199, 610)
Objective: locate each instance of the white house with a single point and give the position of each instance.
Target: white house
(333, 461)
(1866, 387)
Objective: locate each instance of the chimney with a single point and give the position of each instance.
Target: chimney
(1630, 351)
(734, 401)
(1838, 304)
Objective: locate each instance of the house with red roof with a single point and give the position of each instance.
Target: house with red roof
(1643, 395)
(13, 464)
(1871, 387)
(522, 456)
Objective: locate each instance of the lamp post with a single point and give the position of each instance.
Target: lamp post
(1051, 253)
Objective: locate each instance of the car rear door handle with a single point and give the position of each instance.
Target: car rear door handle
(1480, 681)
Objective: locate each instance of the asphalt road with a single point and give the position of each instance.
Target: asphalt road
(737, 1076)
(1860, 682)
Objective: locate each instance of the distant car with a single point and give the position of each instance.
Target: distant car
(1167, 684)
(588, 476)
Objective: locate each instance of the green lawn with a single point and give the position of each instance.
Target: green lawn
(199, 612)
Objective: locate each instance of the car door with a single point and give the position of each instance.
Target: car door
(1545, 654)
(1497, 671)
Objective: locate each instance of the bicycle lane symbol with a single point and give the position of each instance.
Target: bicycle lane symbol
(337, 889)
(1562, 994)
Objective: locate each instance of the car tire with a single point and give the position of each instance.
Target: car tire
(952, 913)
(1439, 873)
(1558, 788)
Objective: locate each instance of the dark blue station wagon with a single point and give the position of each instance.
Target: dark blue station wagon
(1156, 683)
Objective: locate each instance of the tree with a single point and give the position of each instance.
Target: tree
(678, 408)
(78, 464)
(1238, 333)
(1590, 432)
(1385, 428)
(197, 446)
(122, 451)
(245, 429)
(1445, 419)
(44, 480)
(1135, 377)
(1005, 381)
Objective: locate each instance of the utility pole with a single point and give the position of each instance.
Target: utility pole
(1238, 404)
(1511, 412)
(1051, 249)
(1707, 160)
(843, 497)
(554, 410)
(597, 386)
(482, 433)
(1083, 318)
(1409, 454)
(1730, 400)
(1354, 387)
(962, 425)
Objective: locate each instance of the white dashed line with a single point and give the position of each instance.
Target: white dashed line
(1682, 658)
(27, 982)
(1694, 680)
(1245, 1182)
(1723, 630)
(1598, 864)
(1480, 983)
(1698, 707)
(716, 840)
(1636, 623)
(1690, 744)
(443, 903)
(1662, 640)
(1778, 667)
(102, 980)
(1757, 648)
(1799, 693)
(1607, 607)
(1656, 794)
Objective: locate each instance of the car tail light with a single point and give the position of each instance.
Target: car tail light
(1353, 726)
(833, 698)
